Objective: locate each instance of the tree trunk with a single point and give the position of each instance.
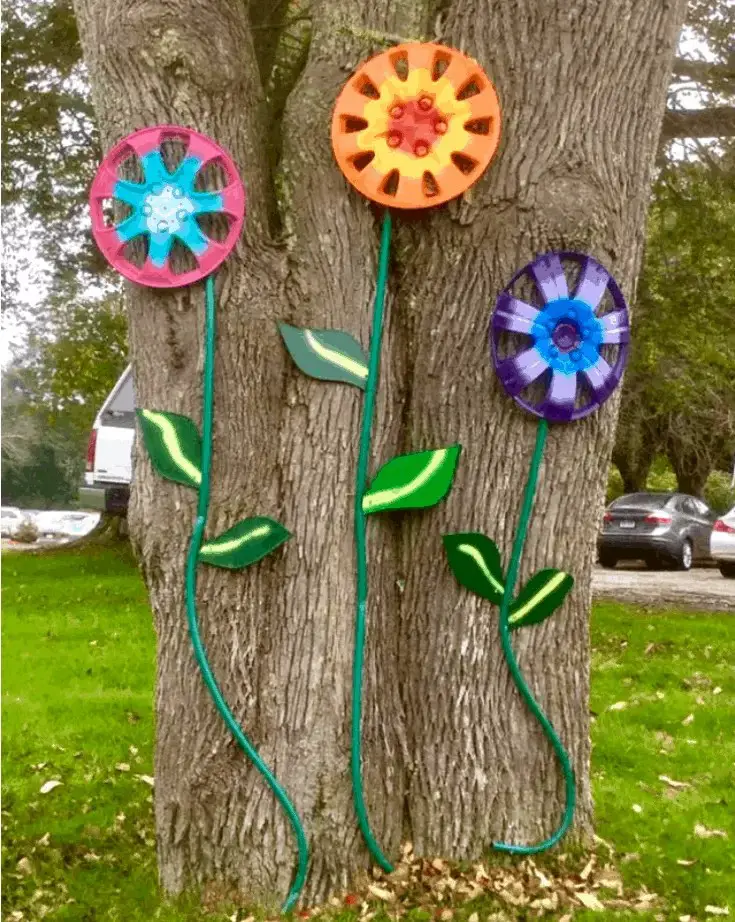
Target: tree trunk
(691, 467)
(451, 758)
(634, 464)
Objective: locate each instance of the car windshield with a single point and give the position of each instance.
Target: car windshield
(646, 500)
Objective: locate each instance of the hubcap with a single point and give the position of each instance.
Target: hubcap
(686, 555)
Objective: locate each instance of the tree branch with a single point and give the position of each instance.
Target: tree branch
(708, 72)
(717, 122)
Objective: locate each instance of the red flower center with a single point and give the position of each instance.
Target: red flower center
(414, 126)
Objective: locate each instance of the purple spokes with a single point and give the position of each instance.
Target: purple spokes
(562, 340)
(550, 279)
(615, 327)
(561, 396)
(515, 315)
(519, 372)
(601, 378)
(592, 283)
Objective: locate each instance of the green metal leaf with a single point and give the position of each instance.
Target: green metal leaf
(329, 355)
(244, 543)
(413, 481)
(475, 561)
(173, 445)
(540, 597)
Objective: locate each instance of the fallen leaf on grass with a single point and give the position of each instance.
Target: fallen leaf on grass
(618, 706)
(25, 867)
(589, 901)
(611, 880)
(381, 894)
(48, 786)
(146, 779)
(686, 862)
(637, 808)
(717, 691)
(684, 918)
(45, 839)
(588, 868)
(674, 784)
(665, 739)
(704, 833)
(689, 719)
(717, 910)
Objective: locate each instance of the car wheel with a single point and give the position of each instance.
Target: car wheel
(686, 556)
(608, 560)
(727, 569)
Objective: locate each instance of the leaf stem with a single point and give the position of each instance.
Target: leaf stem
(191, 611)
(515, 560)
(363, 461)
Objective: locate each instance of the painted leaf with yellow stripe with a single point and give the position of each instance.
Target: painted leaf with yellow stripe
(475, 561)
(413, 481)
(245, 543)
(173, 445)
(329, 355)
(540, 597)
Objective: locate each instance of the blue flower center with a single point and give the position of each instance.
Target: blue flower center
(568, 335)
(166, 208)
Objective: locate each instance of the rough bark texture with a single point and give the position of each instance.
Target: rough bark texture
(452, 760)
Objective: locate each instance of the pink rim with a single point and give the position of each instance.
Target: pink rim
(145, 142)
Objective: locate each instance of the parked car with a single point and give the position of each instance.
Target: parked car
(662, 529)
(11, 518)
(78, 524)
(722, 543)
(48, 523)
(109, 452)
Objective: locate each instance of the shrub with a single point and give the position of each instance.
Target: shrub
(718, 493)
(26, 533)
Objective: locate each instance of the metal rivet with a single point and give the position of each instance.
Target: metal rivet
(394, 139)
(425, 103)
(441, 127)
(397, 112)
(420, 149)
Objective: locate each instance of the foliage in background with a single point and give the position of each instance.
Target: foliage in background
(51, 396)
(718, 492)
(679, 395)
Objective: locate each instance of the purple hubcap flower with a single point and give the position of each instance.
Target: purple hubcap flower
(561, 341)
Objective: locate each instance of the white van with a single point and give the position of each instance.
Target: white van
(110, 451)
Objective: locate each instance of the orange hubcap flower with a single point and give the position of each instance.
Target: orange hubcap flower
(416, 125)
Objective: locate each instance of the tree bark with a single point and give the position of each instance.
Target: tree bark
(451, 758)
(691, 467)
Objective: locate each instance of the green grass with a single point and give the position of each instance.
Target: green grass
(78, 669)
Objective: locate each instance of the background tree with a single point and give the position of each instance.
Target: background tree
(452, 760)
(679, 396)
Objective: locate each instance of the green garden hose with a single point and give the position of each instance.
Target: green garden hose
(561, 753)
(376, 335)
(191, 610)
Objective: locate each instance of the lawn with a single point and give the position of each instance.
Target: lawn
(78, 669)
